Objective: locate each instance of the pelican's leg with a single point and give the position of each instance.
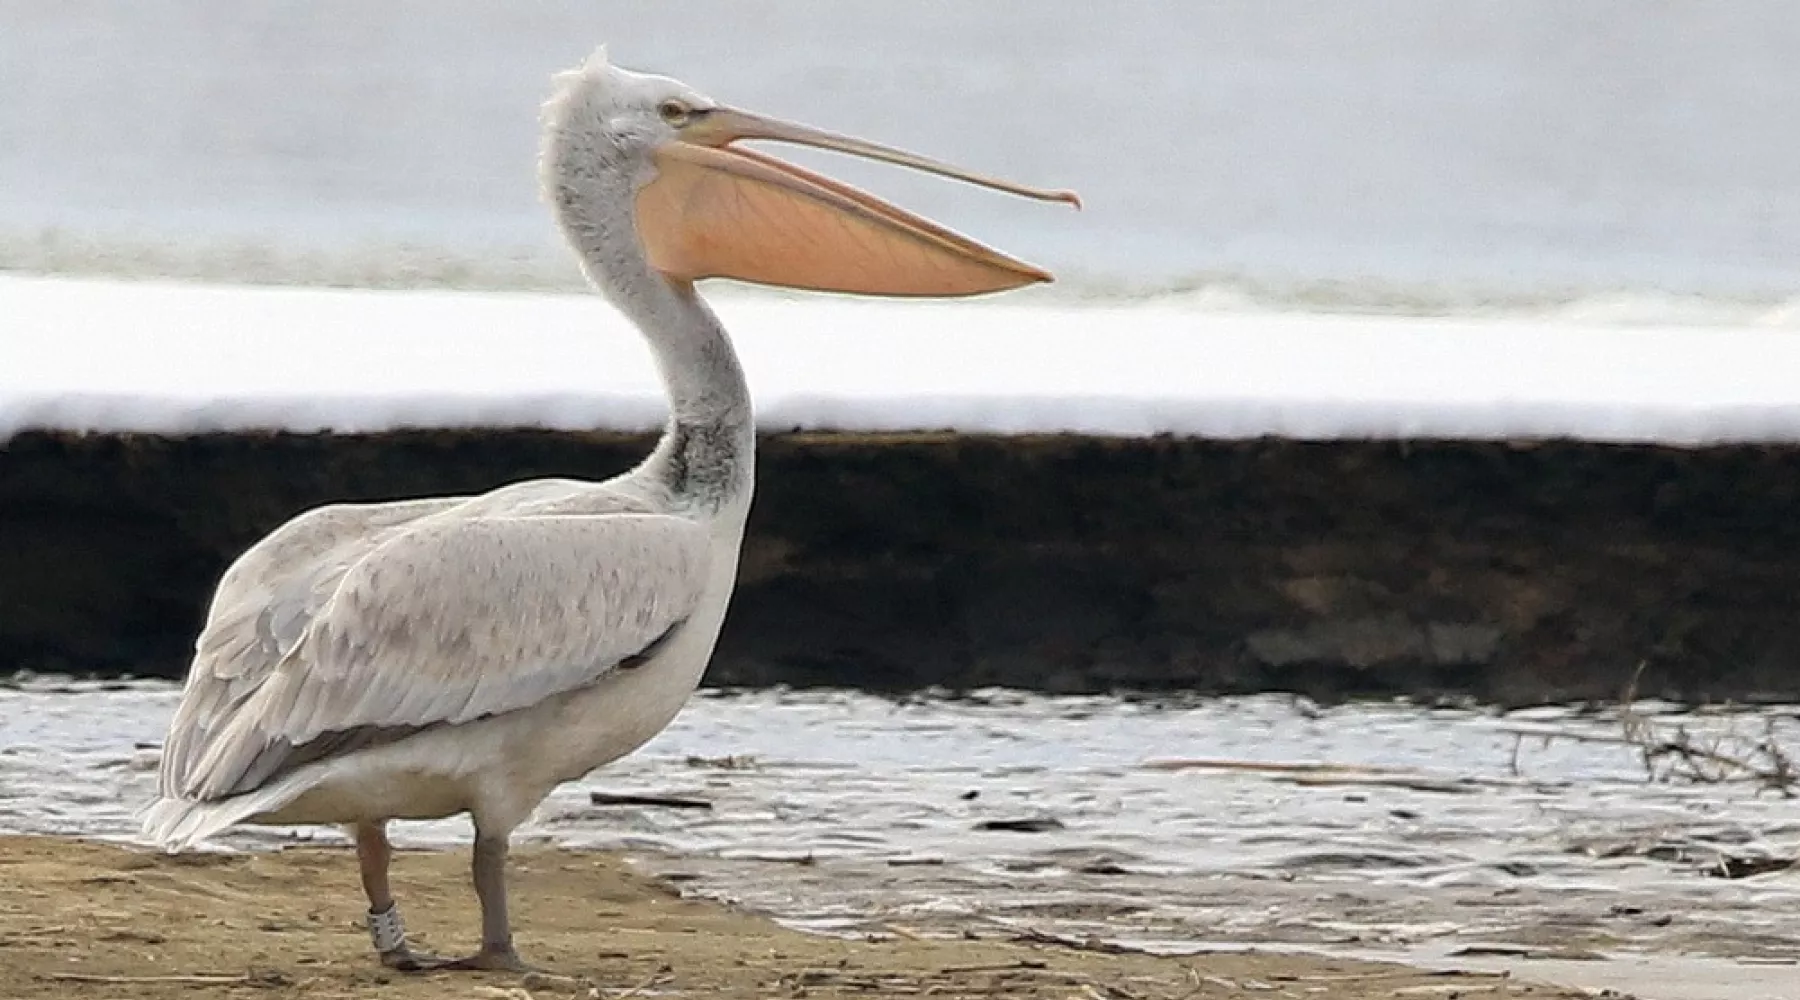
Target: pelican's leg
(488, 866)
(373, 854)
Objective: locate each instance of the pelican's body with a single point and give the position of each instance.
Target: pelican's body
(419, 659)
(497, 767)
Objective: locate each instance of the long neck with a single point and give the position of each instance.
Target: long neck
(708, 450)
(707, 453)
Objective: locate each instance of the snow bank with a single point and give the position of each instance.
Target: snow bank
(120, 356)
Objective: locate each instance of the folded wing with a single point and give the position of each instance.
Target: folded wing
(444, 622)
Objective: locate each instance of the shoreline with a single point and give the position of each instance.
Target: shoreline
(94, 919)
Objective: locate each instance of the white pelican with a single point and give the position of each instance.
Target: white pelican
(422, 658)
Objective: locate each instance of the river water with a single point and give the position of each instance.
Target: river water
(846, 813)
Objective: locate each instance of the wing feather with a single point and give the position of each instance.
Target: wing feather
(443, 622)
(262, 605)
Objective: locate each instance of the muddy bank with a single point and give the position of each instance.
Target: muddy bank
(1512, 573)
(86, 920)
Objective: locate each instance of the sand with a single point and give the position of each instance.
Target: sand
(81, 919)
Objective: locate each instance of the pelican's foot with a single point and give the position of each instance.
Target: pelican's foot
(486, 960)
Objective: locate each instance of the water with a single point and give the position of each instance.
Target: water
(1388, 155)
(846, 813)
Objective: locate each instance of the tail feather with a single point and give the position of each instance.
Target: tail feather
(175, 824)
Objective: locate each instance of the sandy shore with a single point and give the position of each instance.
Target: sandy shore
(81, 919)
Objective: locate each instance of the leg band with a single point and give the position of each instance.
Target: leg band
(386, 929)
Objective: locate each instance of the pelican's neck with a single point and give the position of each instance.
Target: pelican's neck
(707, 452)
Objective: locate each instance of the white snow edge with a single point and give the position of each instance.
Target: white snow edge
(111, 356)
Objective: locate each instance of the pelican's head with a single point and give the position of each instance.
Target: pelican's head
(644, 153)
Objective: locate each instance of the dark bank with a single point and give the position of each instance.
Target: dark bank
(1511, 573)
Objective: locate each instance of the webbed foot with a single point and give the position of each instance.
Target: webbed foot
(486, 960)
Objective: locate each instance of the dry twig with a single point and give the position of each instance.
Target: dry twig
(1032, 935)
(1678, 754)
(657, 978)
(1021, 964)
(1725, 757)
(215, 979)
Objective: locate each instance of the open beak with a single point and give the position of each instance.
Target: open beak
(715, 210)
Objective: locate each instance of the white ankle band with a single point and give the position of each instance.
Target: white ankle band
(387, 930)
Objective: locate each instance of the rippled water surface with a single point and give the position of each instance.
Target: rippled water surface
(848, 813)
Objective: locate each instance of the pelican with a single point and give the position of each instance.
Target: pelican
(424, 658)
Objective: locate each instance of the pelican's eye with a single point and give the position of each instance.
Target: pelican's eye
(675, 113)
